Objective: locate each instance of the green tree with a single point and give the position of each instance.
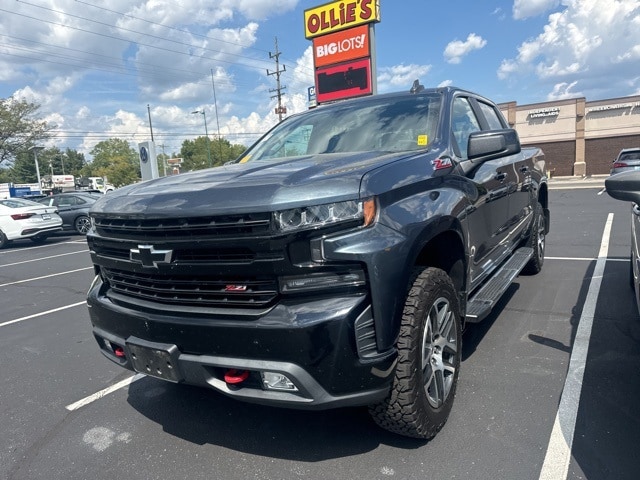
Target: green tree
(116, 160)
(19, 128)
(71, 162)
(196, 156)
(23, 169)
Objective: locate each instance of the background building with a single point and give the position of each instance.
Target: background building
(578, 137)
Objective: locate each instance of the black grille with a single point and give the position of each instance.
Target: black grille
(215, 226)
(191, 254)
(193, 291)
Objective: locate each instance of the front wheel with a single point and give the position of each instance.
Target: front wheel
(429, 351)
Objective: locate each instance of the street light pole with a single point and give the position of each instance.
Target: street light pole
(35, 154)
(204, 115)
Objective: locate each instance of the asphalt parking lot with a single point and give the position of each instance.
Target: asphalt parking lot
(549, 386)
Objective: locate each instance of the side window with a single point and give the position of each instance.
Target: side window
(492, 117)
(463, 123)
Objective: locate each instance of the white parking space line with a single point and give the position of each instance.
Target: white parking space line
(43, 258)
(45, 276)
(47, 245)
(556, 462)
(102, 393)
(35, 315)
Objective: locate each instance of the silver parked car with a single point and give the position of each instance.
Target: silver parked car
(626, 187)
(20, 218)
(628, 159)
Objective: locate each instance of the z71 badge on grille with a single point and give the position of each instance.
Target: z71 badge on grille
(148, 256)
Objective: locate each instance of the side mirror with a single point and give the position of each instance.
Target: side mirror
(493, 144)
(624, 186)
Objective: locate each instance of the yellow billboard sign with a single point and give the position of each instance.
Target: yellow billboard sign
(339, 15)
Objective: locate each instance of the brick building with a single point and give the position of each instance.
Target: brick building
(578, 137)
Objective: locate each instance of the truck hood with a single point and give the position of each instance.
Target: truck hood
(254, 186)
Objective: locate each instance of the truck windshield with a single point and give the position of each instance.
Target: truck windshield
(385, 124)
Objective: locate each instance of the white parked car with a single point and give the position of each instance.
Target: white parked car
(20, 218)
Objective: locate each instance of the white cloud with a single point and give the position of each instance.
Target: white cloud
(530, 8)
(457, 49)
(589, 41)
(401, 77)
(445, 83)
(155, 52)
(562, 91)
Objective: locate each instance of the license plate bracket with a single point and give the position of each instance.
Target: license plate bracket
(158, 360)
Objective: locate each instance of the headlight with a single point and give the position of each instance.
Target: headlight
(320, 215)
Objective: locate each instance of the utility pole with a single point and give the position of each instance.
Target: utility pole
(164, 161)
(279, 109)
(150, 126)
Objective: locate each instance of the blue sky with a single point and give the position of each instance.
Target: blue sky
(94, 66)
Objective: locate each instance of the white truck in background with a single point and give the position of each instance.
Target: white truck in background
(51, 184)
(94, 183)
(57, 184)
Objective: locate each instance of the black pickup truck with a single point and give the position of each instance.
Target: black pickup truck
(334, 264)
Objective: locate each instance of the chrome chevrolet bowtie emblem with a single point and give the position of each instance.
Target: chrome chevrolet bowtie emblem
(148, 256)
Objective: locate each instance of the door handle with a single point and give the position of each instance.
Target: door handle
(500, 176)
(524, 169)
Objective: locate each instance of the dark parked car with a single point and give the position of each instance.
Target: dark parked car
(73, 207)
(626, 186)
(628, 160)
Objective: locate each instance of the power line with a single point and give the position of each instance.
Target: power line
(178, 29)
(117, 65)
(253, 59)
(183, 30)
(141, 43)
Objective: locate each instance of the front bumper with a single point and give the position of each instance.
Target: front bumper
(313, 343)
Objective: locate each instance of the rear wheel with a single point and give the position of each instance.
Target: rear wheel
(82, 224)
(536, 242)
(429, 351)
(3, 240)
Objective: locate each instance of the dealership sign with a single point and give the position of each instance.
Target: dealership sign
(339, 15)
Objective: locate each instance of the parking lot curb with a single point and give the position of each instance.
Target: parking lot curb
(573, 182)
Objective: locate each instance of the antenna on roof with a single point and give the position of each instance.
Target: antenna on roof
(416, 87)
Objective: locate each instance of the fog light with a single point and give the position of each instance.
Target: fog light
(277, 381)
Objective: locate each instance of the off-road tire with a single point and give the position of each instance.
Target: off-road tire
(82, 224)
(537, 242)
(421, 396)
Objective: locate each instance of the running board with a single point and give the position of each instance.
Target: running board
(481, 303)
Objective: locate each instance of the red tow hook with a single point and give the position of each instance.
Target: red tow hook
(235, 377)
(119, 352)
